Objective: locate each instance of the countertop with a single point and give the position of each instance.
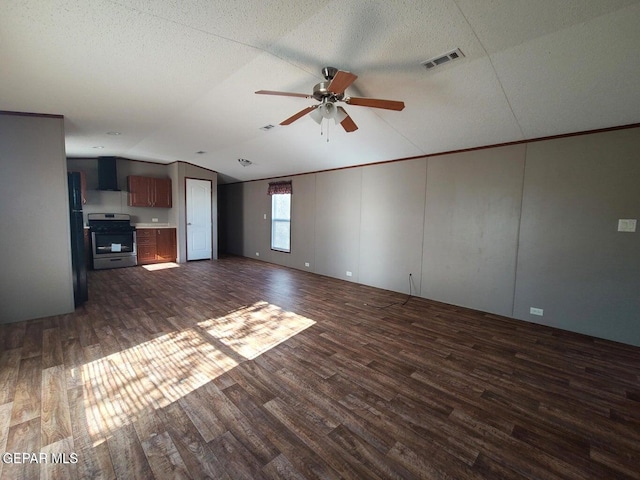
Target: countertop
(154, 225)
(146, 225)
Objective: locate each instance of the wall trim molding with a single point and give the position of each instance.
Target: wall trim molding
(27, 114)
(451, 152)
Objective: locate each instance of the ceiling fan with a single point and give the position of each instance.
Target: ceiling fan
(329, 93)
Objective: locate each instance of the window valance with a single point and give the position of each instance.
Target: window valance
(279, 188)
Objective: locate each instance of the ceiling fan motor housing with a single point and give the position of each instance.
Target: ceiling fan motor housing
(322, 94)
(329, 73)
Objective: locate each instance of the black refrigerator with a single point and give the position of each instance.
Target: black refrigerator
(78, 262)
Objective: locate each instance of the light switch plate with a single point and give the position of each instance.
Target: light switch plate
(627, 225)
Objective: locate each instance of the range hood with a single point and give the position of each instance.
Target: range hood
(108, 174)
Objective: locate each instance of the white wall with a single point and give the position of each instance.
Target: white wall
(500, 229)
(36, 278)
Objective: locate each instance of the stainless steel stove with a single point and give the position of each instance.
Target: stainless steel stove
(113, 240)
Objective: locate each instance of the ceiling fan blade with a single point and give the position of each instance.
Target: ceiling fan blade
(348, 124)
(341, 81)
(282, 94)
(295, 117)
(375, 103)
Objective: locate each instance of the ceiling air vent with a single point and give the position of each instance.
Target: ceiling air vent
(244, 162)
(440, 59)
(267, 127)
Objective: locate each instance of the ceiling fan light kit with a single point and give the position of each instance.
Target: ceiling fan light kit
(329, 93)
(329, 111)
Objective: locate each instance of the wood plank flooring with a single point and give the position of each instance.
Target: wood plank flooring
(238, 369)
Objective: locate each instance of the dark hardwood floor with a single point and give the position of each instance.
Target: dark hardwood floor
(240, 369)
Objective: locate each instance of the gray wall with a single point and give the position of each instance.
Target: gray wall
(471, 228)
(573, 262)
(36, 278)
(500, 230)
(337, 218)
(391, 230)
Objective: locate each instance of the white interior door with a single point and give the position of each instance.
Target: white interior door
(198, 219)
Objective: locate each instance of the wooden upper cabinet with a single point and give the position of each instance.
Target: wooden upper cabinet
(149, 192)
(139, 191)
(162, 192)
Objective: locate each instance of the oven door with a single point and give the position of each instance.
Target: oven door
(113, 244)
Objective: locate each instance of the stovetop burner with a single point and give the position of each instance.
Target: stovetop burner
(110, 222)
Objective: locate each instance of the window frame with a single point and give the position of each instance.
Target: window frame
(275, 220)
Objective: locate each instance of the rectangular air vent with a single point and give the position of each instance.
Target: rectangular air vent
(267, 127)
(444, 58)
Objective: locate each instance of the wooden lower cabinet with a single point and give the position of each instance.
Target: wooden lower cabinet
(156, 245)
(166, 245)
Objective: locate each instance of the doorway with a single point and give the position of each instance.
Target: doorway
(198, 193)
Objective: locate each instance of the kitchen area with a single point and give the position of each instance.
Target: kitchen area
(133, 211)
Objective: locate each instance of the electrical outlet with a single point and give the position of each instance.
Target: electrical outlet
(627, 225)
(349, 274)
(257, 254)
(536, 311)
(154, 220)
(265, 216)
(306, 264)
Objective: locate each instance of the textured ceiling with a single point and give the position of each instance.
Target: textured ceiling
(178, 77)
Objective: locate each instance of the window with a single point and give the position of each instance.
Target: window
(281, 222)
(280, 215)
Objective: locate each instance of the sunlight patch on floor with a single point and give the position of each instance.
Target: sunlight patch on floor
(119, 387)
(160, 266)
(255, 329)
(150, 375)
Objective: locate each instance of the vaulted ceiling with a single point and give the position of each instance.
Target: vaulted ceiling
(178, 77)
